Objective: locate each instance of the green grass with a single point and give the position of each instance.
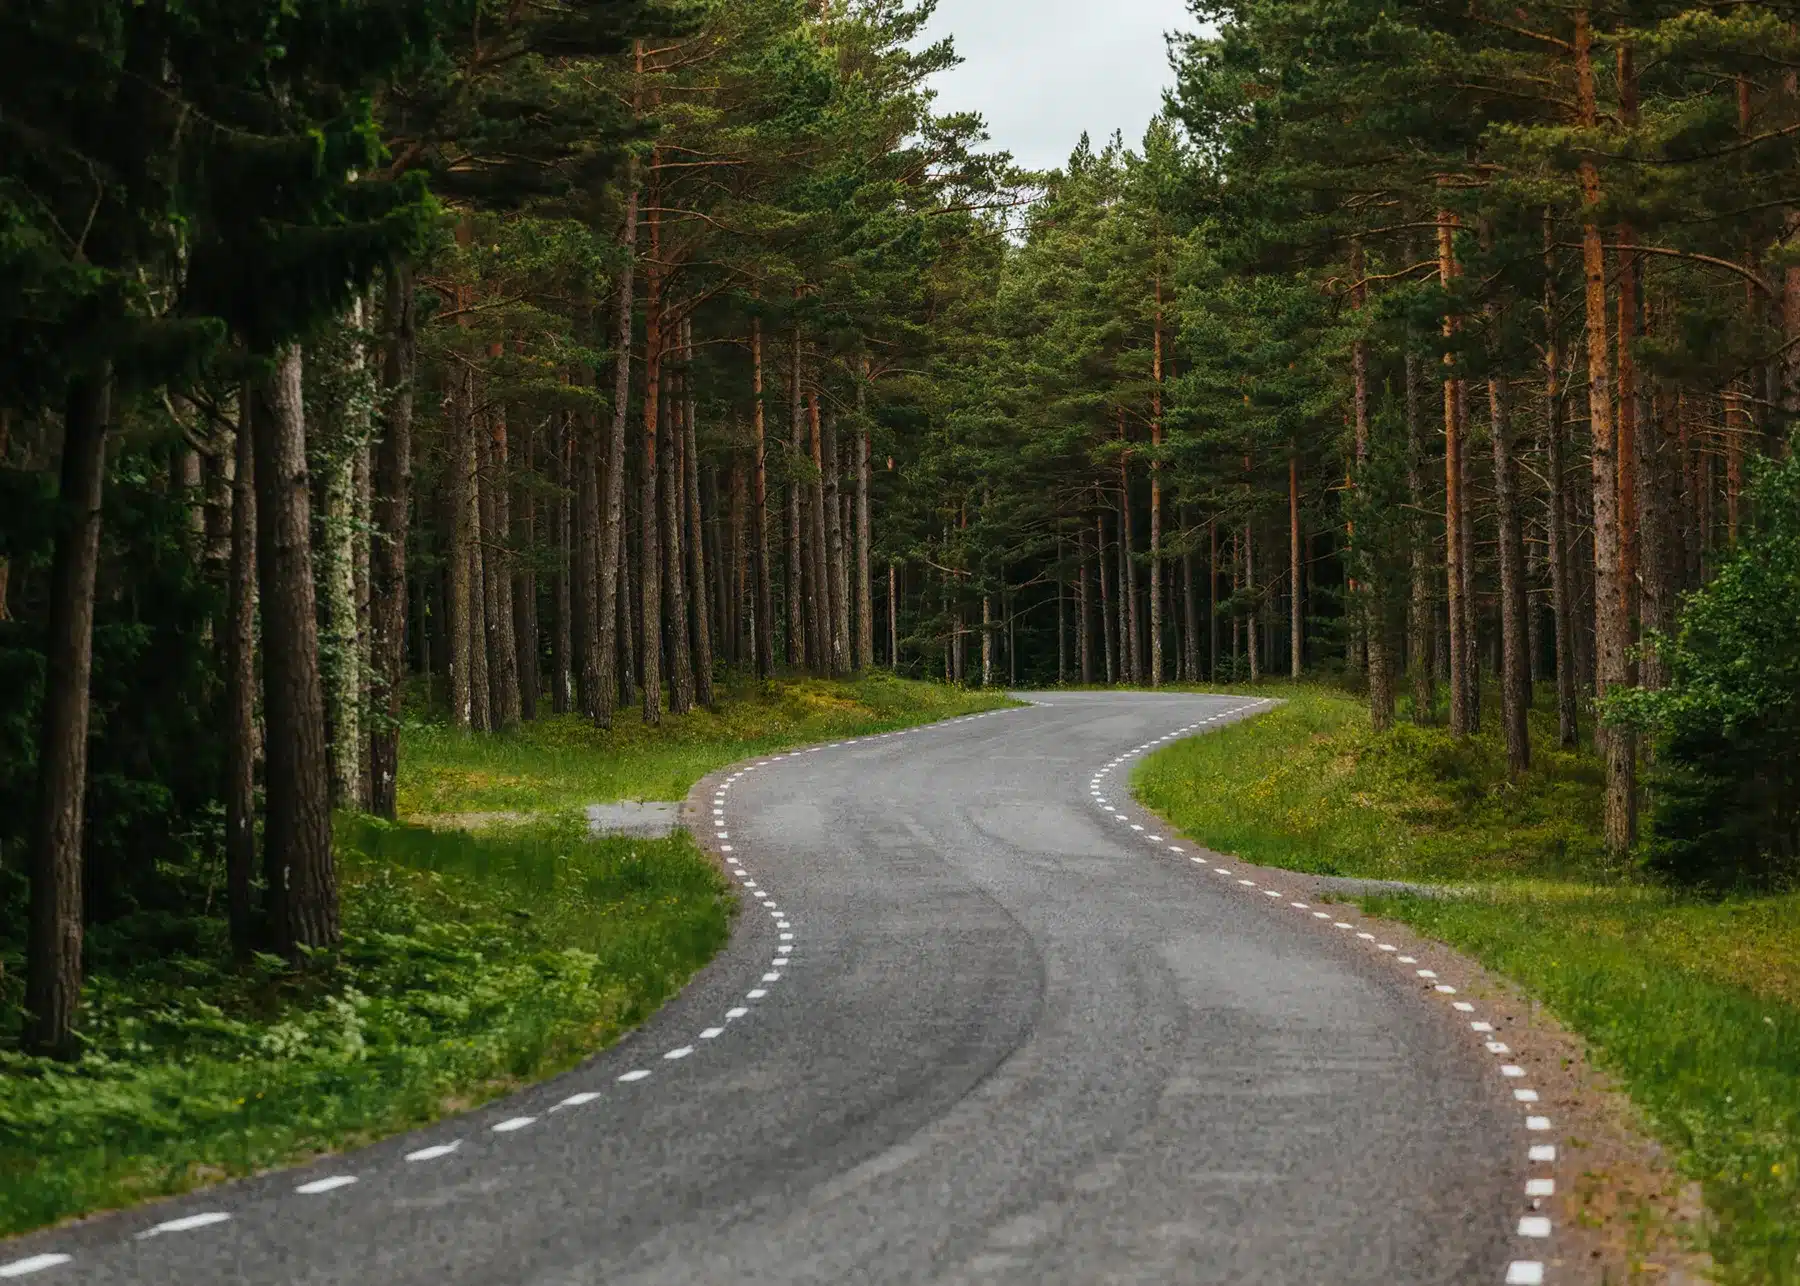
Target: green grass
(469, 966)
(473, 961)
(559, 764)
(1694, 1005)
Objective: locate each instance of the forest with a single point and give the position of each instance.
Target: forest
(473, 364)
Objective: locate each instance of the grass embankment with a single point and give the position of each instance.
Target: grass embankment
(1694, 1005)
(564, 763)
(471, 963)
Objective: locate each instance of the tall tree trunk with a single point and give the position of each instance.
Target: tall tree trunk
(819, 607)
(703, 639)
(53, 965)
(562, 592)
(1455, 551)
(302, 882)
(893, 617)
(1610, 624)
(649, 535)
(480, 678)
(681, 662)
(607, 644)
(1084, 609)
(338, 530)
(796, 611)
(525, 581)
(1212, 596)
(631, 611)
(837, 583)
(1515, 670)
(497, 578)
(1106, 621)
(1156, 437)
(1562, 605)
(240, 695)
(1190, 606)
(393, 516)
(1131, 635)
(1253, 643)
(1297, 606)
(865, 598)
(1420, 617)
(759, 511)
(1375, 623)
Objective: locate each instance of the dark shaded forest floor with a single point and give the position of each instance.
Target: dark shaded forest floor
(472, 963)
(1692, 1004)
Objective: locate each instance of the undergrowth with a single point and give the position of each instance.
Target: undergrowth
(1694, 1003)
(469, 965)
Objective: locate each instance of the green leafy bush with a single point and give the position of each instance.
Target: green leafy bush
(1726, 785)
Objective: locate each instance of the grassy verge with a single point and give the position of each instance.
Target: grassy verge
(447, 991)
(1695, 1005)
(471, 963)
(564, 763)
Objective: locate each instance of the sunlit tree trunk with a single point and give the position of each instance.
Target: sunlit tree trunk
(393, 518)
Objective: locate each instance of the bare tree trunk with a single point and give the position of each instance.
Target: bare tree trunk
(1420, 618)
(1610, 625)
(525, 586)
(297, 835)
(820, 610)
(606, 643)
(759, 512)
(837, 581)
(1515, 670)
(563, 653)
(1106, 623)
(649, 535)
(393, 515)
(1557, 508)
(865, 597)
(480, 680)
(893, 617)
(1131, 639)
(1296, 607)
(1253, 643)
(1455, 553)
(497, 578)
(460, 470)
(796, 614)
(681, 664)
(703, 643)
(1084, 605)
(53, 967)
(240, 696)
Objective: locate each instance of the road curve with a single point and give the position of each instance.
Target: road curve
(1010, 1039)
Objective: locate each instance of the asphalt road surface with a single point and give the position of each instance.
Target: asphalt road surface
(973, 1027)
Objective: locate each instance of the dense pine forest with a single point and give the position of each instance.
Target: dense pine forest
(484, 363)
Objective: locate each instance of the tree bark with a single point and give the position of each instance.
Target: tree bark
(1253, 644)
(1130, 633)
(53, 965)
(1557, 507)
(1106, 621)
(675, 611)
(759, 514)
(497, 577)
(302, 882)
(1610, 625)
(240, 697)
(820, 608)
(796, 613)
(1156, 437)
(837, 579)
(1420, 618)
(649, 535)
(525, 578)
(393, 516)
(612, 531)
(1455, 553)
(865, 597)
(1084, 610)
(702, 615)
(1515, 669)
(481, 690)
(562, 593)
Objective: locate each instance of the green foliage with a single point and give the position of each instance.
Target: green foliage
(1726, 785)
(445, 992)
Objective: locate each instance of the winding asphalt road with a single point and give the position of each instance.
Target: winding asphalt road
(972, 1028)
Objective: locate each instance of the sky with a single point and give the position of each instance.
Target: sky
(1042, 71)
